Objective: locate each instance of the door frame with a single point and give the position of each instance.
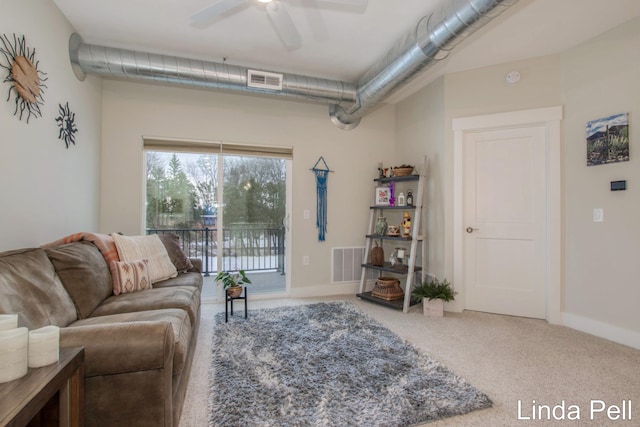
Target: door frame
(550, 117)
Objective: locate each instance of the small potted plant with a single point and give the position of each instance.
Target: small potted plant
(433, 294)
(232, 282)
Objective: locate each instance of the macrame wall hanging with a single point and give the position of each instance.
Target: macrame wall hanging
(321, 170)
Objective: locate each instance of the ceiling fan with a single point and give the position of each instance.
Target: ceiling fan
(277, 12)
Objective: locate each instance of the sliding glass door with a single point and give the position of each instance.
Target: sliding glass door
(253, 214)
(228, 209)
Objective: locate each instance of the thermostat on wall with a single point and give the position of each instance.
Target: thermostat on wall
(618, 185)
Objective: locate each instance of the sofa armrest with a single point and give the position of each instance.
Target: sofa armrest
(197, 265)
(122, 347)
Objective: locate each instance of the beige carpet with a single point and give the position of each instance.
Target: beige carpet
(511, 359)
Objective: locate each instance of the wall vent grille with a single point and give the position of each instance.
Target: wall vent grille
(264, 80)
(346, 264)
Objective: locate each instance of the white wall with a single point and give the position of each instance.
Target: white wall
(133, 110)
(420, 132)
(47, 191)
(601, 78)
(596, 79)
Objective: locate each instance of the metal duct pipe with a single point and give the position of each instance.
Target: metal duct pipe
(433, 38)
(431, 41)
(128, 64)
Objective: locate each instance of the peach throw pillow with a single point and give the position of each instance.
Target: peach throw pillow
(130, 276)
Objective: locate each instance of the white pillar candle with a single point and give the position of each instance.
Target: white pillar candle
(44, 346)
(13, 354)
(8, 321)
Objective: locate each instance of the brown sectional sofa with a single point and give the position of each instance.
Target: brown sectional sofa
(138, 346)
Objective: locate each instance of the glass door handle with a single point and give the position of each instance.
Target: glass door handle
(287, 221)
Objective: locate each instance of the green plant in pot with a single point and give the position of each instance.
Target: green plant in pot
(433, 294)
(232, 282)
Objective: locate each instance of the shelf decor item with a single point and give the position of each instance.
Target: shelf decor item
(406, 224)
(388, 289)
(322, 176)
(402, 170)
(396, 260)
(377, 255)
(410, 198)
(393, 230)
(381, 226)
(383, 196)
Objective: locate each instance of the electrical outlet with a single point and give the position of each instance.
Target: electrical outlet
(305, 260)
(598, 215)
(306, 214)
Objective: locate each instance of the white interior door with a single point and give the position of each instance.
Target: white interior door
(504, 219)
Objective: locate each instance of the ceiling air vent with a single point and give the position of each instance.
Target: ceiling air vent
(264, 80)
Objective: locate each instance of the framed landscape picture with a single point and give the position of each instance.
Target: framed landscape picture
(608, 140)
(383, 194)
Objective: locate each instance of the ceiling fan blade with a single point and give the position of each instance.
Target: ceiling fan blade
(284, 25)
(210, 13)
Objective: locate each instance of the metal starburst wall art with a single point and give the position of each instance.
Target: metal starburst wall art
(23, 75)
(66, 123)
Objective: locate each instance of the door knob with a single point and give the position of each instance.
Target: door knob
(471, 230)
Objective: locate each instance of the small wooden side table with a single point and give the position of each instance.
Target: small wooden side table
(52, 395)
(229, 302)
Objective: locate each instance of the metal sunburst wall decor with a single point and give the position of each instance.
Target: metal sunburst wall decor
(66, 123)
(23, 75)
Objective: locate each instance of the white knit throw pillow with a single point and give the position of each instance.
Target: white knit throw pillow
(132, 248)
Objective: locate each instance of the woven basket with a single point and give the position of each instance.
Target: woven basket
(388, 289)
(402, 171)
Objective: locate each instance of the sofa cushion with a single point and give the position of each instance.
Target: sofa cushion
(100, 361)
(84, 274)
(177, 256)
(30, 287)
(132, 248)
(184, 297)
(183, 279)
(130, 276)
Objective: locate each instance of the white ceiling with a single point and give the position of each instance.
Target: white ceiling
(338, 42)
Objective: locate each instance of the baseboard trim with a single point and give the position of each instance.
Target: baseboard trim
(346, 288)
(602, 330)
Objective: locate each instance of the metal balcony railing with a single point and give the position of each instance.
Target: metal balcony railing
(249, 249)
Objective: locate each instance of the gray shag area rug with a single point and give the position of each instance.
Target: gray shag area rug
(326, 364)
